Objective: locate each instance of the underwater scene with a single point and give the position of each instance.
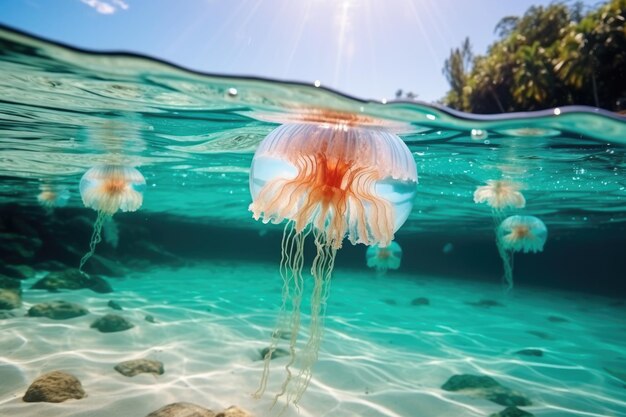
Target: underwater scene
(182, 244)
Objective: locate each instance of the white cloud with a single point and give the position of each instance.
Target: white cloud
(106, 7)
(121, 4)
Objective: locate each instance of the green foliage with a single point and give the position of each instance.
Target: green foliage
(551, 56)
(455, 70)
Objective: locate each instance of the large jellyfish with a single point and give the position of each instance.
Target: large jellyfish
(384, 258)
(329, 179)
(107, 189)
(501, 195)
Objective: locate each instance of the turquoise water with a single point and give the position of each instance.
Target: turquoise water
(211, 277)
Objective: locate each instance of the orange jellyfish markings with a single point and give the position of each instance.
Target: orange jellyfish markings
(326, 188)
(520, 232)
(333, 180)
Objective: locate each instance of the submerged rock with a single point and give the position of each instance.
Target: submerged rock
(6, 315)
(99, 285)
(114, 305)
(17, 271)
(11, 283)
(540, 334)
(420, 301)
(54, 387)
(140, 366)
(557, 319)
(233, 411)
(51, 265)
(278, 353)
(68, 279)
(98, 264)
(485, 387)
(512, 412)
(530, 352)
(10, 299)
(485, 303)
(18, 248)
(149, 318)
(57, 310)
(182, 410)
(71, 279)
(111, 323)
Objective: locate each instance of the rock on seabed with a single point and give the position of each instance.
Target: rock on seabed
(54, 387)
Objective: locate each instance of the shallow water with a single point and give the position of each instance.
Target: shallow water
(213, 283)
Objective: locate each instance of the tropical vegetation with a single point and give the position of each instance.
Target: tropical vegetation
(555, 55)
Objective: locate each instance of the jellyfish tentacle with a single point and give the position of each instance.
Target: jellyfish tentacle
(96, 237)
(295, 271)
(507, 262)
(321, 270)
(292, 261)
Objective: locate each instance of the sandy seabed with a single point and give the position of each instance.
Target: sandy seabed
(381, 355)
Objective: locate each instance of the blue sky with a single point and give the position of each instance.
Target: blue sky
(366, 48)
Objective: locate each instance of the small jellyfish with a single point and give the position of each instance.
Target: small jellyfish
(384, 258)
(519, 234)
(522, 234)
(500, 194)
(108, 189)
(52, 196)
(329, 176)
(448, 248)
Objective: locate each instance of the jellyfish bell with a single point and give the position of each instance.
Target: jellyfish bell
(333, 178)
(384, 258)
(330, 117)
(523, 234)
(500, 194)
(109, 189)
(346, 181)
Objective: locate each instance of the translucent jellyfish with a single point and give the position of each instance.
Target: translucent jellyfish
(330, 179)
(500, 194)
(52, 196)
(384, 258)
(108, 189)
(522, 234)
(448, 248)
(519, 234)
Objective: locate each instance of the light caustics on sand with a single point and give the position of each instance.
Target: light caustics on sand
(384, 258)
(108, 189)
(501, 195)
(329, 178)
